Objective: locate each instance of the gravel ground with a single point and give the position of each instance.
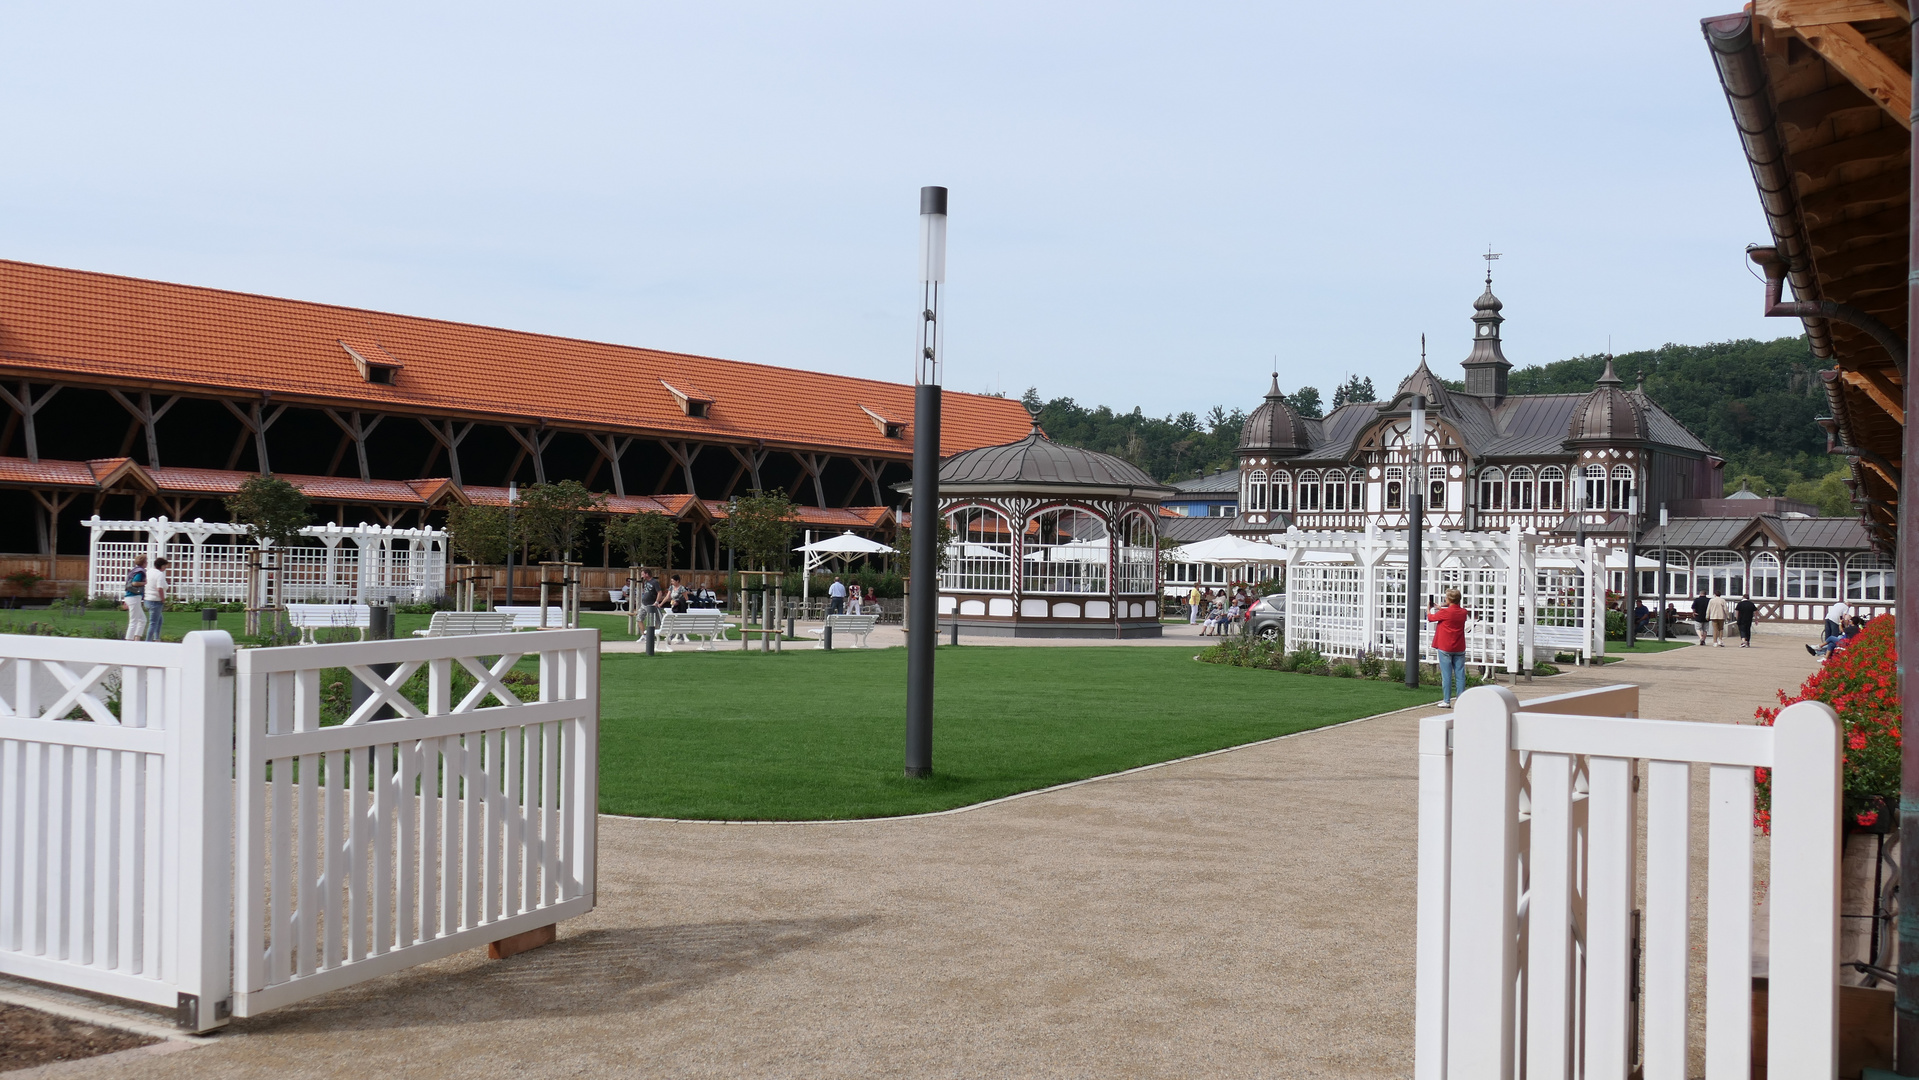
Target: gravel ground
(1248, 914)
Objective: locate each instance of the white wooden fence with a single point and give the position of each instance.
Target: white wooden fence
(114, 818)
(1528, 848)
(402, 835)
(334, 565)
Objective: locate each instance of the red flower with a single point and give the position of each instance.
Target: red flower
(1870, 817)
(1857, 740)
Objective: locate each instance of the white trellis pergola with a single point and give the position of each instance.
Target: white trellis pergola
(351, 564)
(1346, 593)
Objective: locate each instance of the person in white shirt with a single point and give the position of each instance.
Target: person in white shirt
(836, 594)
(1836, 614)
(156, 597)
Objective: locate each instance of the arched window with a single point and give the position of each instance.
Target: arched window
(1335, 491)
(1676, 576)
(1719, 573)
(1308, 492)
(1552, 488)
(979, 558)
(1519, 489)
(1812, 575)
(1256, 491)
(1066, 552)
(1436, 488)
(1492, 489)
(1765, 576)
(1356, 491)
(1592, 488)
(1282, 491)
(1869, 577)
(1621, 493)
(1138, 545)
(1395, 489)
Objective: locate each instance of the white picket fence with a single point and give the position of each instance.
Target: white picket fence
(400, 836)
(1528, 848)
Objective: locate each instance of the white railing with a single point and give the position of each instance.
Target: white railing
(376, 844)
(1528, 845)
(115, 817)
(360, 564)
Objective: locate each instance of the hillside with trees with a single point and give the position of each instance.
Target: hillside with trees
(1753, 402)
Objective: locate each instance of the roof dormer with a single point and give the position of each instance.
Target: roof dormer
(692, 402)
(890, 429)
(376, 365)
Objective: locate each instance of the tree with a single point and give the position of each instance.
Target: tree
(271, 509)
(1354, 390)
(759, 527)
(1306, 402)
(478, 534)
(905, 546)
(647, 539)
(552, 517)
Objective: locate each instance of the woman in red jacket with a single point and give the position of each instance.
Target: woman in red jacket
(1449, 641)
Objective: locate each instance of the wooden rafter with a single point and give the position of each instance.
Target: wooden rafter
(1883, 394)
(1826, 28)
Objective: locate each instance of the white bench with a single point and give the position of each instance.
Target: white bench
(462, 623)
(527, 616)
(307, 618)
(709, 625)
(859, 626)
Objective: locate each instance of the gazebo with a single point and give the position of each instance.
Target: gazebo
(1050, 541)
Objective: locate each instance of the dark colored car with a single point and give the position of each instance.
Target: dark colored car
(1268, 619)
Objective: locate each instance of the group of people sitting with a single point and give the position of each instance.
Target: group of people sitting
(1838, 632)
(1216, 611)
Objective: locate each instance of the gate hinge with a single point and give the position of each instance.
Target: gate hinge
(187, 1014)
(223, 1009)
(227, 670)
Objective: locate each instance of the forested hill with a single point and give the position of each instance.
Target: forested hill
(1751, 401)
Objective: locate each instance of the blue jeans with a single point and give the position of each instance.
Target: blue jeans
(1452, 674)
(153, 619)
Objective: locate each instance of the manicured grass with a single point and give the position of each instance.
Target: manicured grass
(808, 735)
(1645, 645)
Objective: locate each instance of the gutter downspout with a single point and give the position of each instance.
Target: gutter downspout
(1768, 260)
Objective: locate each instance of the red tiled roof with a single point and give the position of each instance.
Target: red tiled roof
(43, 473)
(101, 326)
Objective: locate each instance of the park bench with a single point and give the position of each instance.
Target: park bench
(527, 616)
(858, 626)
(684, 626)
(307, 618)
(461, 623)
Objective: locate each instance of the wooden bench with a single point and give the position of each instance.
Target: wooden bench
(858, 626)
(307, 618)
(462, 623)
(527, 616)
(708, 625)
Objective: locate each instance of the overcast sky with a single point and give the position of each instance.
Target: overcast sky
(1149, 202)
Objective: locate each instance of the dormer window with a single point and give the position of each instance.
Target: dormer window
(889, 429)
(693, 403)
(375, 364)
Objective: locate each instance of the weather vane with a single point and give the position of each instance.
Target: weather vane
(1489, 257)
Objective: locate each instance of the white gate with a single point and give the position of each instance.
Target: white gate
(376, 844)
(115, 816)
(1527, 881)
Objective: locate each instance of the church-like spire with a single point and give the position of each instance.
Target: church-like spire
(1486, 367)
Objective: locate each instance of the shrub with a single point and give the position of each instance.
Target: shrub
(1371, 664)
(1306, 658)
(1861, 683)
(1616, 625)
(1345, 671)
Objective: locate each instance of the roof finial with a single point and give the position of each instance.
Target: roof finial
(1033, 409)
(1608, 378)
(1422, 350)
(1641, 375)
(1489, 257)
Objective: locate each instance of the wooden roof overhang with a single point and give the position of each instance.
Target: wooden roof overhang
(1820, 91)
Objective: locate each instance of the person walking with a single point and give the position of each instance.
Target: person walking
(1449, 641)
(155, 597)
(1716, 615)
(855, 597)
(836, 597)
(1700, 604)
(134, 599)
(1743, 613)
(1836, 614)
(649, 600)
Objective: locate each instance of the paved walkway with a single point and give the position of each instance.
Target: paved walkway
(1248, 914)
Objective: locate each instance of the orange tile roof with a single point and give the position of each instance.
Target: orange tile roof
(109, 328)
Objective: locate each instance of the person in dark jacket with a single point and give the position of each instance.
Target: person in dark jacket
(1742, 614)
(1699, 605)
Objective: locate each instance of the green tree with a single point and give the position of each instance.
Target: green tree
(478, 533)
(1355, 390)
(647, 539)
(552, 517)
(1306, 402)
(759, 526)
(271, 509)
(904, 545)
(1829, 492)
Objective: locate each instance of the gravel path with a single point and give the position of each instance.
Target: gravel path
(1247, 914)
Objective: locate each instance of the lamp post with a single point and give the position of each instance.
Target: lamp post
(512, 500)
(1415, 530)
(923, 573)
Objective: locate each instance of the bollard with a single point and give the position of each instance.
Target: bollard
(789, 625)
(956, 628)
(826, 638)
(649, 640)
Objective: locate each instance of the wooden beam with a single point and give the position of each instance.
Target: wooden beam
(1855, 261)
(1877, 75)
(1879, 188)
(1878, 145)
(1806, 113)
(1883, 394)
(1884, 225)
(1798, 13)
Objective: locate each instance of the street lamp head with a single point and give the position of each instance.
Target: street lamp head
(932, 235)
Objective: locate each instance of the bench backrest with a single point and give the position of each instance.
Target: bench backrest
(529, 616)
(854, 623)
(330, 614)
(450, 623)
(698, 621)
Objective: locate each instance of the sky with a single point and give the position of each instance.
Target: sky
(1151, 205)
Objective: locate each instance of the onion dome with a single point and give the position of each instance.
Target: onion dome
(1039, 465)
(1274, 427)
(1610, 414)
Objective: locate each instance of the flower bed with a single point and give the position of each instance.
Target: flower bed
(1861, 683)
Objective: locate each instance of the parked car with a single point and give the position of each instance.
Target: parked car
(1268, 619)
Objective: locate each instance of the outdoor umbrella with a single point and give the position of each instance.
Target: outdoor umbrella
(1227, 551)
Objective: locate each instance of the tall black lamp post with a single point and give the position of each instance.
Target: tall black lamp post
(924, 572)
(1415, 536)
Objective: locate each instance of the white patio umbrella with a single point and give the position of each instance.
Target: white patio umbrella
(1227, 550)
(843, 546)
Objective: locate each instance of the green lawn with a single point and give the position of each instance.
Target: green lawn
(808, 735)
(1646, 645)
